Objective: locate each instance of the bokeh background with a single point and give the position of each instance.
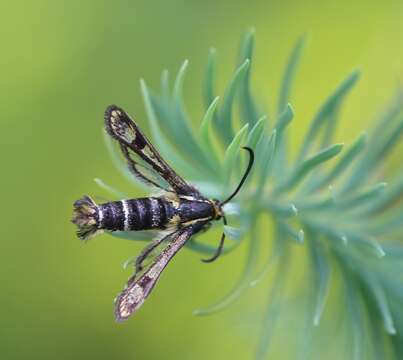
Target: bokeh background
(61, 64)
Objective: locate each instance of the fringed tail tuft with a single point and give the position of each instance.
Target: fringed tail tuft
(86, 217)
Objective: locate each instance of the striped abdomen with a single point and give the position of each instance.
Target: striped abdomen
(134, 214)
(138, 214)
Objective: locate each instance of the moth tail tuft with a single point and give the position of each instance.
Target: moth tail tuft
(86, 216)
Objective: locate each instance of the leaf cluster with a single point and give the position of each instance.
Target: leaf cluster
(328, 199)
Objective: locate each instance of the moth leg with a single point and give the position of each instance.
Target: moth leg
(219, 248)
(217, 252)
(147, 251)
(205, 228)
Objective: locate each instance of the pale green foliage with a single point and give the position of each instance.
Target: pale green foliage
(328, 200)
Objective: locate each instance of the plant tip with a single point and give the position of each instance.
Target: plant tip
(301, 236)
(294, 209)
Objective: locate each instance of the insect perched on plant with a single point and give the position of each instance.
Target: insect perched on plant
(180, 212)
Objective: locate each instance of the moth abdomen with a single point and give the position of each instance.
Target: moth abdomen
(132, 214)
(112, 216)
(147, 213)
(123, 215)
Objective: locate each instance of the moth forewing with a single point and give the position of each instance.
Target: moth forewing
(122, 128)
(138, 289)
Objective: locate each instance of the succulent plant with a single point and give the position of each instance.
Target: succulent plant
(328, 198)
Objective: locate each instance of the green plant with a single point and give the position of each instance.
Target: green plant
(337, 208)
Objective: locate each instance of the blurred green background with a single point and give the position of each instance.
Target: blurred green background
(62, 63)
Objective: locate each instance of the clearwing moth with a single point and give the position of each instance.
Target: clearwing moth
(180, 212)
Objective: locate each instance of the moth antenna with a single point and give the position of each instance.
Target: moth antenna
(219, 248)
(245, 175)
(86, 217)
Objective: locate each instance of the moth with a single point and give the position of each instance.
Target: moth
(180, 212)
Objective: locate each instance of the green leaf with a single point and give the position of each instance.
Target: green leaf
(381, 301)
(208, 89)
(242, 283)
(389, 222)
(387, 144)
(345, 217)
(224, 120)
(110, 189)
(284, 119)
(321, 204)
(256, 133)
(232, 153)
(178, 85)
(207, 249)
(381, 141)
(129, 262)
(233, 232)
(392, 111)
(248, 108)
(283, 210)
(172, 118)
(289, 74)
(281, 162)
(232, 209)
(273, 309)
(368, 241)
(330, 105)
(119, 163)
(162, 144)
(390, 195)
(302, 169)
(346, 160)
(355, 312)
(211, 189)
(165, 84)
(322, 274)
(356, 237)
(247, 46)
(206, 133)
(274, 257)
(180, 128)
(362, 198)
(297, 236)
(145, 235)
(265, 161)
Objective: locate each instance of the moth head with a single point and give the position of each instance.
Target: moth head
(218, 205)
(219, 212)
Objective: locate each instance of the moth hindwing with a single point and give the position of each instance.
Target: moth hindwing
(138, 288)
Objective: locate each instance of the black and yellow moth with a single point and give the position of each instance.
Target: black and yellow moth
(180, 212)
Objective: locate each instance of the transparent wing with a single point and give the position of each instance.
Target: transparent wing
(143, 171)
(133, 143)
(139, 287)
